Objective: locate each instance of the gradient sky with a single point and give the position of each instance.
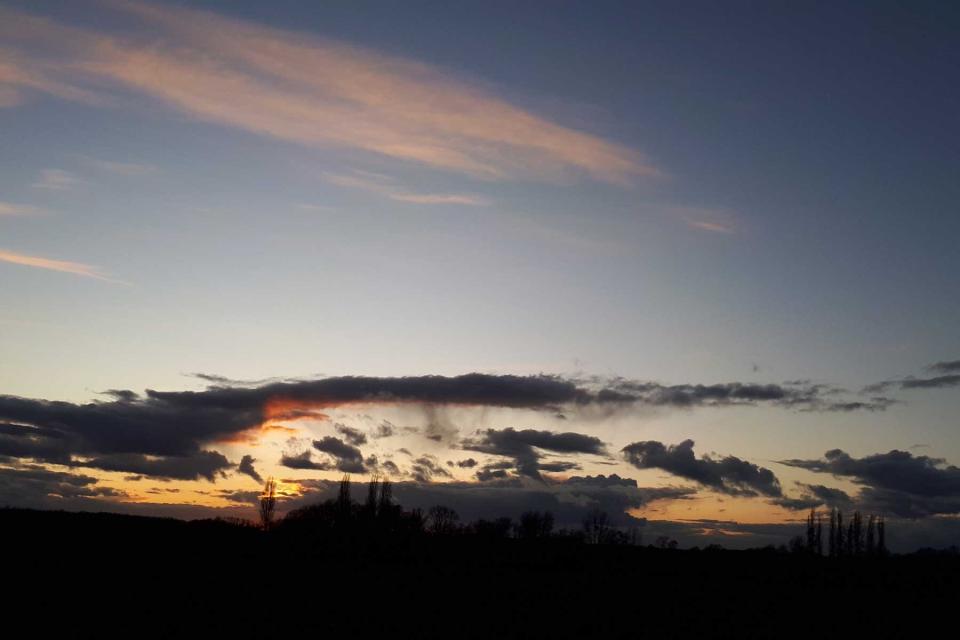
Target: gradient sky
(680, 193)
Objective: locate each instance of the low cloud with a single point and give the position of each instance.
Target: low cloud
(946, 366)
(728, 474)
(246, 467)
(426, 467)
(346, 458)
(896, 470)
(949, 376)
(353, 436)
(208, 465)
(525, 447)
(35, 486)
(815, 495)
(895, 482)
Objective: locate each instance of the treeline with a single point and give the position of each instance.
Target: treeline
(378, 516)
(843, 540)
(378, 519)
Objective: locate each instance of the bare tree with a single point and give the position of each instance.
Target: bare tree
(856, 534)
(812, 531)
(881, 536)
(443, 519)
(535, 524)
(344, 503)
(386, 498)
(268, 503)
(839, 536)
(373, 491)
(833, 551)
(596, 529)
(818, 538)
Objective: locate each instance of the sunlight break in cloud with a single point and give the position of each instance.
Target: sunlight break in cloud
(75, 268)
(311, 91)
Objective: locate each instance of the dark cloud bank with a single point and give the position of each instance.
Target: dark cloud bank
(524, 447)
(897, 482)
(166, 433)
(728, 474)
(946, 374)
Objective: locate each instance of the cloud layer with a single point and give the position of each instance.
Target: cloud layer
(182, 424)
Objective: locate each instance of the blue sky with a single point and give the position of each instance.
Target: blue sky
(682, 194)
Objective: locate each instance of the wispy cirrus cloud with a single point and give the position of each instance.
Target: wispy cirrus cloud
(713, 227)
(387, 187)
(310, 91)
(76, 268)
(708, 220)
(20, 74)
(441, 198)
(131, 169)
(56, 180)
(18, 209)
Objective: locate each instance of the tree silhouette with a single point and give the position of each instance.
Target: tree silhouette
(534, 525)
(268, 503)
(856, 534)
(443, 520)
(855, 540)
(665, 542)
(812, 531)
(385, 505)
(881, 536)
(819, 535)
(595, 527)
(344, 502)
(373, 493)
(833, 551)
(839, 535)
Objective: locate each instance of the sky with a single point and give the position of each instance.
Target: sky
(695, 264)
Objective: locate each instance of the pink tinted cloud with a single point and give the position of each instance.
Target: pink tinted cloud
(64, 266)
(312, 91)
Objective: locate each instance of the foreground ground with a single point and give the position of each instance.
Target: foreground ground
(98, 575)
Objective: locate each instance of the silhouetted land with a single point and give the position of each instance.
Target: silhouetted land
(324, 572)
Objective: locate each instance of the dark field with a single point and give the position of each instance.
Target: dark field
(97, 575)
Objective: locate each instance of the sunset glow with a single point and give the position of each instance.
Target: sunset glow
(693, 270)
